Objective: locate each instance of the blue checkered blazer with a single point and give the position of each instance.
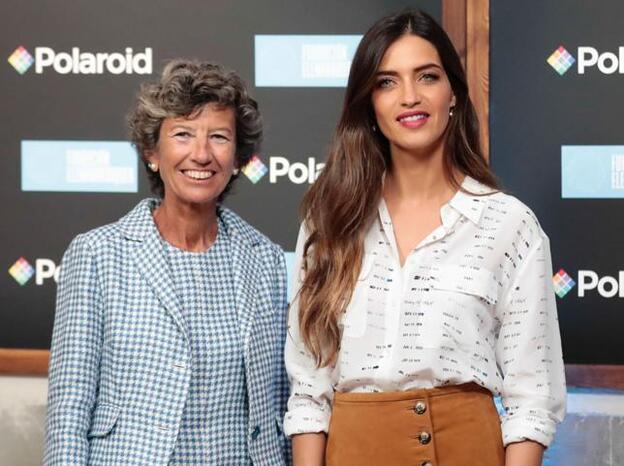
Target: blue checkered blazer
(119, 369)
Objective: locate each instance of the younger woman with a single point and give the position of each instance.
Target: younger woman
(423, 289)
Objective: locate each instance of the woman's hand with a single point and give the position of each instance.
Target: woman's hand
(525, 453)
(308, 449)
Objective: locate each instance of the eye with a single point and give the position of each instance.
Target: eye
(429, 77)
(182, 135)
(220, 138)
(384, 83)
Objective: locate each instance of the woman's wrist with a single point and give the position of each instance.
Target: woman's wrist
(527, 453)
(309, 449)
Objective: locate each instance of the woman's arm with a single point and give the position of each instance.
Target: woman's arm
(525, 453)
(309, 449)
(529, 350)
(75, 358)
(311, 393)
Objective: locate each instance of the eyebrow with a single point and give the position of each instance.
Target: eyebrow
(417, 69)
(190, 128)
(180, 126)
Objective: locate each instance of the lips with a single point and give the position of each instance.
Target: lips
(198, 174)
(412, 116)
(413, 119)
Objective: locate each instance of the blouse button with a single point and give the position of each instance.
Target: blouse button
(424, 437)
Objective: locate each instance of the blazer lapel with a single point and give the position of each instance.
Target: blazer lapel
(149, 257)
(245, 264)
(152, 264)
(245, 269)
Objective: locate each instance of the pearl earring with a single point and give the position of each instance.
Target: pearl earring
(152, 166)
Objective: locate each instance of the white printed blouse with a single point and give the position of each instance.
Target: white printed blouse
(473, 303)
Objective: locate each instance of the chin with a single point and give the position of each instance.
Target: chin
(420, 145)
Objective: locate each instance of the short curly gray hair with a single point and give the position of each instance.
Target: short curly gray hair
(185, 86)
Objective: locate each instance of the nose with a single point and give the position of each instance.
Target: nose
(409, 95)
(202, 152)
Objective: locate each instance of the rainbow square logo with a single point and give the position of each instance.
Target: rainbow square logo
(561, 60)
(563, 283)
(21, 271)
(255, 169)
(21, 60)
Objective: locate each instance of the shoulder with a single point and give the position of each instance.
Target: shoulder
(239, 229)
(99, 239)
(497, 213)
(512, 216)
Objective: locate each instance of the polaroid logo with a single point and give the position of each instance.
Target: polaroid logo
(607, 287)
(279, 167)
(44, 269)
(607, 62)
(561, 60)
(588, 281)
(563, 283)
(297, 173)
(255, 169)
(21, 271)
(21, 60)
(77, 62)
(587, 57)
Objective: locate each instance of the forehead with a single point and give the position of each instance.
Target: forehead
(409, 51)
(209, 114)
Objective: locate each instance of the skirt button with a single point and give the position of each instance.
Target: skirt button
(420, 407)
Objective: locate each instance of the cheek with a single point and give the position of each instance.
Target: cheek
(227, 157)
(382, 109)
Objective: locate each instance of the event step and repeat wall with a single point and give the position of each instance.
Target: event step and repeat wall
(70, 72)
(557, 142)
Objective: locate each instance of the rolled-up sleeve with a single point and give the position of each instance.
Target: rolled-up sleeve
(529, 351)
(311, 391)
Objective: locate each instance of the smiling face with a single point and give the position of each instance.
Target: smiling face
(412, 96)
(196, 156)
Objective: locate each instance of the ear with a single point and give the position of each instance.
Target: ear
(453, 101)
(151, 156)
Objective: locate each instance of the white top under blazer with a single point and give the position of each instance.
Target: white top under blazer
(473, 303)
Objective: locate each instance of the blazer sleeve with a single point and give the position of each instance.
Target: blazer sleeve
(75, 358)
(281, 380)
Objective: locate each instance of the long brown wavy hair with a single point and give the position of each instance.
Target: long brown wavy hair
(339, 207)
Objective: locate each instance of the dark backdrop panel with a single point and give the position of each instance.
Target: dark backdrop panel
(534, 111)
(51, 106)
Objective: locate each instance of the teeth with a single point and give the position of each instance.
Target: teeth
(198, 175)
(417, 117)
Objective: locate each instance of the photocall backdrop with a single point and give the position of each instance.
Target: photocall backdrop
(67, 166)
(557, 142)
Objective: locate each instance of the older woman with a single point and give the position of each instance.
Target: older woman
(167, 344)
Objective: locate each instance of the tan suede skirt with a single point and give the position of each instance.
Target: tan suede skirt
(449, 426)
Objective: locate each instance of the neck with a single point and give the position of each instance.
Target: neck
(187, 226)
(418, 177)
